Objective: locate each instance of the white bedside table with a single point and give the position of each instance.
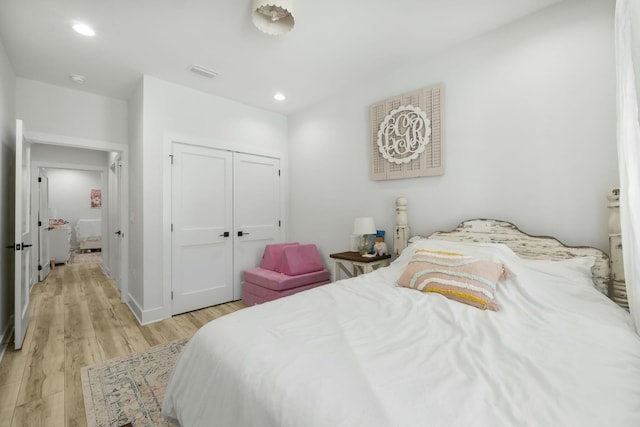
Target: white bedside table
(353, 264)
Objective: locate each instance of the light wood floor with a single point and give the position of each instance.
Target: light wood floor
(77, 319)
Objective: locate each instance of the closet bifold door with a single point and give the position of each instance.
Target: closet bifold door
(256, 211)
(201, 214)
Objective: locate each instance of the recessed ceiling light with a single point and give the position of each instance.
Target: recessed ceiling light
(83, 29)
(279, 97)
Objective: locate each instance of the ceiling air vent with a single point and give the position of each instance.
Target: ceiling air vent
(202, 71)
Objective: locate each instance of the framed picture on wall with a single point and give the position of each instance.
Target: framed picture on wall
(96, 198)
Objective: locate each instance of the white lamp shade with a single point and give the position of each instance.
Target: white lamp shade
(273, 17)
(364, 225)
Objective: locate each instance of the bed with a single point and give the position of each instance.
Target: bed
(89, 234)
(367, 352)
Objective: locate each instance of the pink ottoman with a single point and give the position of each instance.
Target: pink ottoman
(271, 255)
(285, 270)
(253, 294)
(300, 259)
(280, 281)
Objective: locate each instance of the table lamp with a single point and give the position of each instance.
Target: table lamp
(364, 226)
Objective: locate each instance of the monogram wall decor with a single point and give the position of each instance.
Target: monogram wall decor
(406, 135)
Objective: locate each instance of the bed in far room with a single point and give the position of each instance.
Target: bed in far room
(509, 330)
(89, 234)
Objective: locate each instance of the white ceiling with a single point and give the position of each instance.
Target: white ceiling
(334, 43)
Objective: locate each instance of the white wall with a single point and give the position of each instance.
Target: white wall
(7, 150)
(529, 128)
(69, 156)
(69, 192)
(135, 238)
(61, 111)
(174, 112)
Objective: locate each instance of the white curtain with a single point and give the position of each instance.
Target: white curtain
(627, 39)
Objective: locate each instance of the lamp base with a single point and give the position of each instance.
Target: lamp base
(366, 245)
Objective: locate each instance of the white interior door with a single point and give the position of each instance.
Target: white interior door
(22, 235)
(201, 212)
(43, 227)
(256, 212)
(116, 250)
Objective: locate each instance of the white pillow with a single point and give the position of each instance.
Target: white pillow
(572, 271)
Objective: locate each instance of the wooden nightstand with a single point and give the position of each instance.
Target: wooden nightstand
(352, 263)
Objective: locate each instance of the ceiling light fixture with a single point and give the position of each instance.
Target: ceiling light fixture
(273, 17)
(77, 78)
(83, 29)
(279, 97)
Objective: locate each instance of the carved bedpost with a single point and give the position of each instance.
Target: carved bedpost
(613, 196)
(401, 230)
(618, 289)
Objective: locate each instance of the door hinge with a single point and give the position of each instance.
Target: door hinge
(172, 227)
(171, 295)
(278, 172)
(279, 223)
(171, 157)
(39, 268)
(39, 179)
(39, 223)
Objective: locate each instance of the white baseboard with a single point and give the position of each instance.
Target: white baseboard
(153, 315)
(5, 337)
(135, 308)
(145, 317)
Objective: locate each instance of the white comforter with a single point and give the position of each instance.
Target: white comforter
(363, 352)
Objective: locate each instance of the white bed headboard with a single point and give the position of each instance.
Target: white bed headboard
(528, 246)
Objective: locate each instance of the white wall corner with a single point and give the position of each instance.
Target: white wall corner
(145, 317)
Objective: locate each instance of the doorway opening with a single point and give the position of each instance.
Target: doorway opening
(87, 179)
(70, 216)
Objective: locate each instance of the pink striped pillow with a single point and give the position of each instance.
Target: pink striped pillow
(456, 276)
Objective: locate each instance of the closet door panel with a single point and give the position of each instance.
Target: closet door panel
(256, 211)
(201, 197)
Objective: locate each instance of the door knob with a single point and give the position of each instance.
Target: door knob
(119, 232)
(242, 233)
(225, 234)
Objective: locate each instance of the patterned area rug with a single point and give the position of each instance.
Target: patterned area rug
(130, 389)
(77, 257)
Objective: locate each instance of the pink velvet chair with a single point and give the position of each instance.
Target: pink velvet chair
(285, 269)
